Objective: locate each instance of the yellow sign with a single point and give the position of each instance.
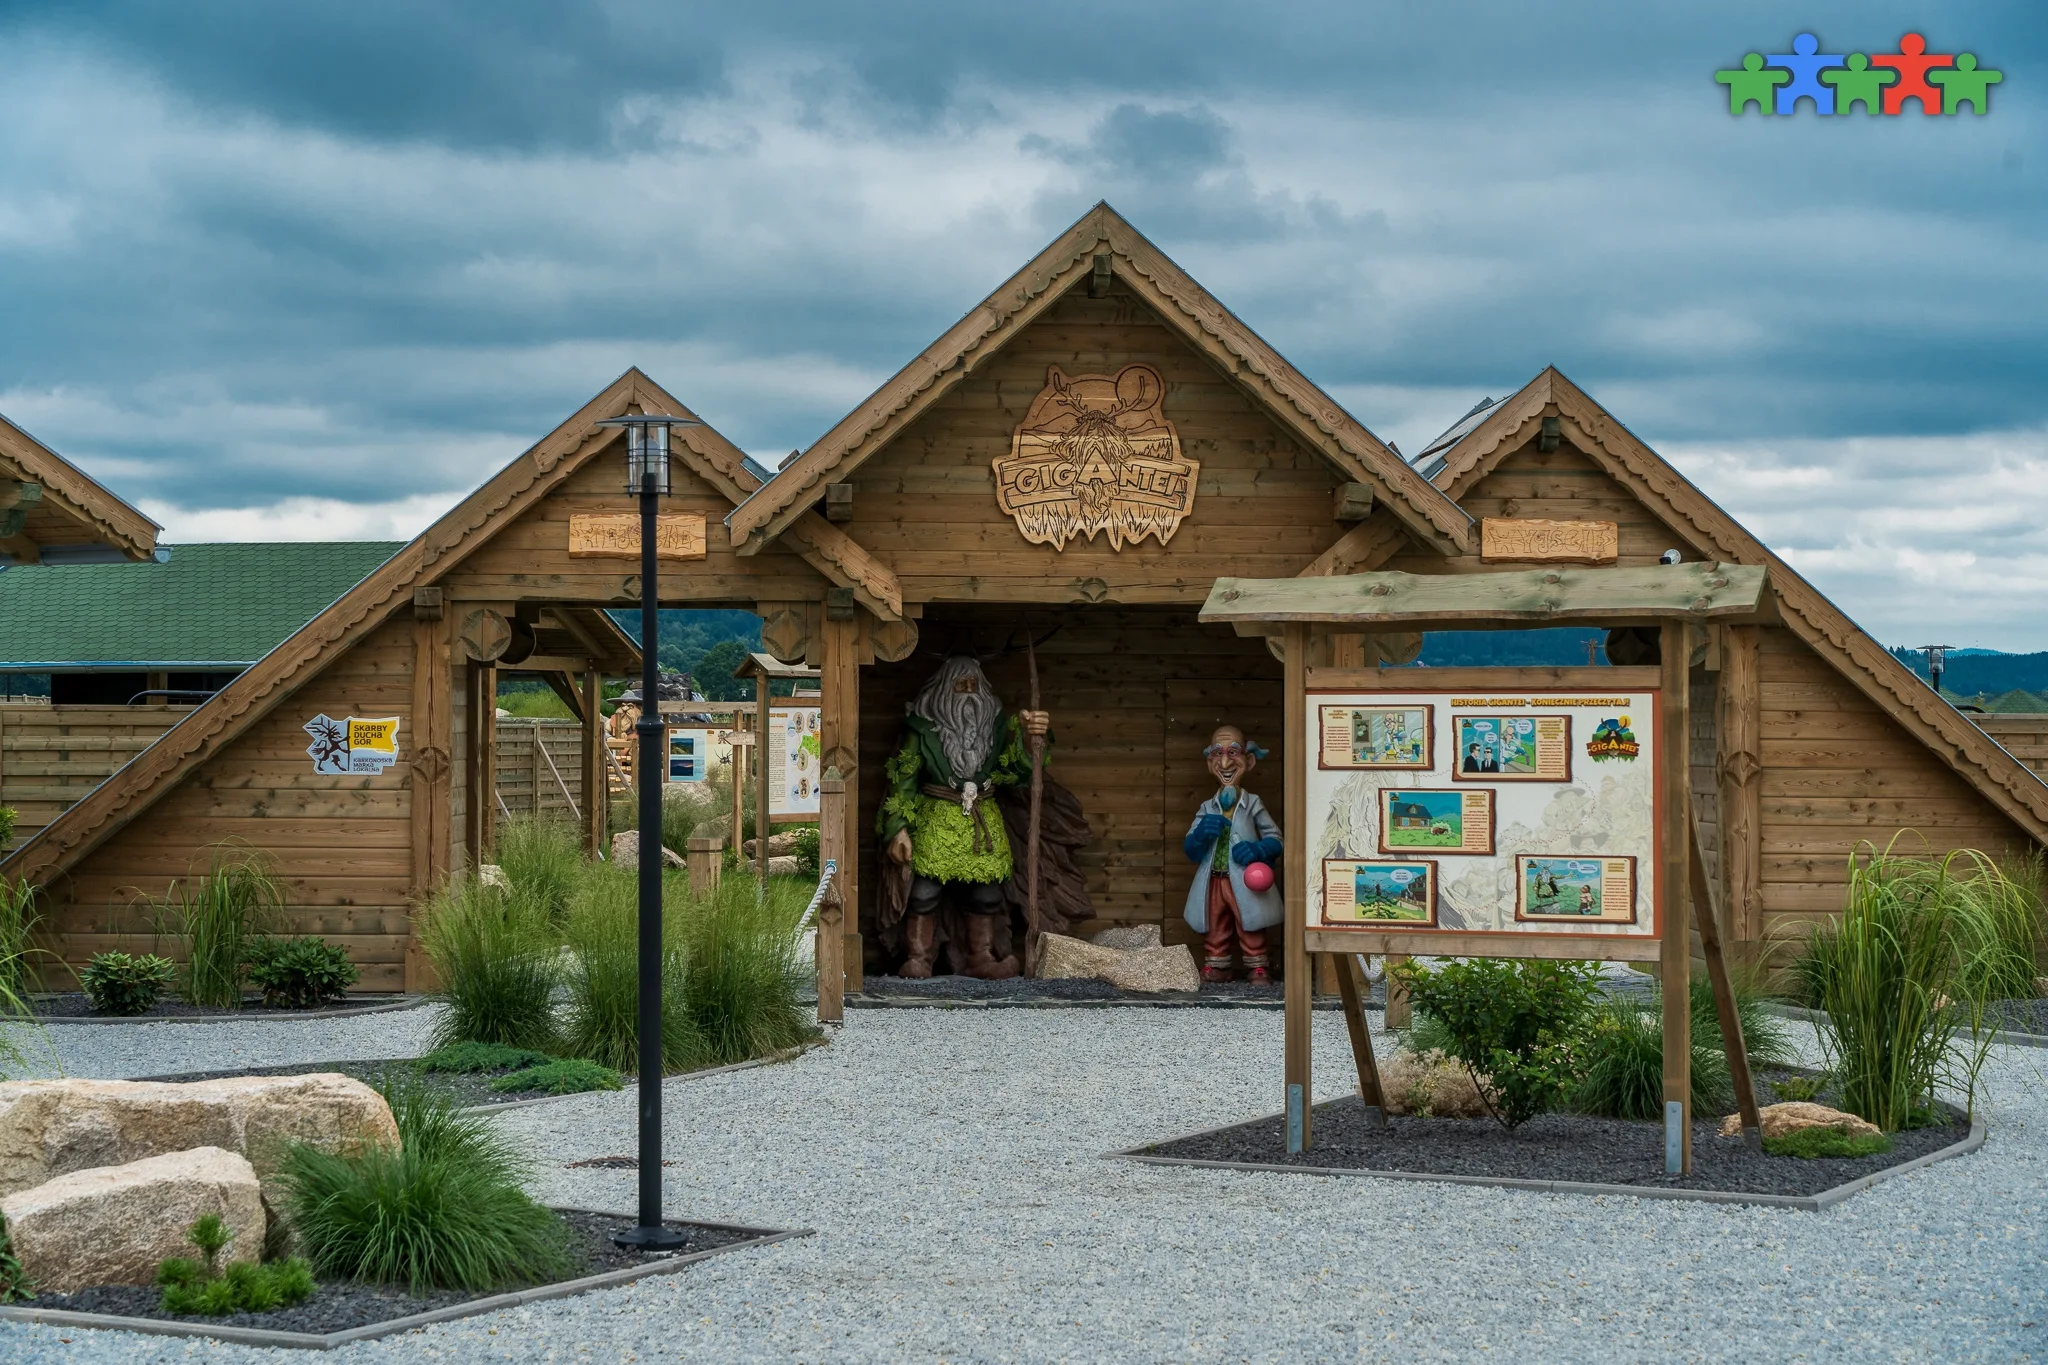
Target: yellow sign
(616, 535)
(352, 744)
(1096, 454)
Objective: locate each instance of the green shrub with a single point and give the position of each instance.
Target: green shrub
(602, 979)
(1765, 1037)
(495, 954)
(741, 986)
(218, 920)
(300, 973)
(807, 857)
(1819, 1142)
(1516, 1022)
(471, 1059)
(6, 826)
(542, 856)
(443, 1211)
(1621, 1065)
(1901, 978)
(563, 1076)
(1800, 1089)
(14, 1283)
(205, 1290)
(116, 983)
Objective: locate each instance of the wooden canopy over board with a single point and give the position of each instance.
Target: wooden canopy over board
(1532, 597)
(1099, 248)
(45, 501)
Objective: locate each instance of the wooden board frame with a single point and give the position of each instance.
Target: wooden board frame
(1387, 796)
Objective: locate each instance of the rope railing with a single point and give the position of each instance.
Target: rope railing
(825, 875)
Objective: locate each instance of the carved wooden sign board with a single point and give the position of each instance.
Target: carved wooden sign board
(1094, 455)
(616, 535)
(1533, 540)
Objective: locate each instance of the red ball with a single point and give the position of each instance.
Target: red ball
(1258, 876)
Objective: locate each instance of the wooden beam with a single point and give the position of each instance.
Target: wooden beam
(1352, 502)
(841, 558)
(838, 502)
(21, 549)
(1697, 592)
(839, 747)
(1350, 987)
(1740, 767)
(562, 682)
(1732, 1043)
(596, 791)
(1365, 546)
(834, 849)
(1298, 1056)
(1674, 850)
(19, 493)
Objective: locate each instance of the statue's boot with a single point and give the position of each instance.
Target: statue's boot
(921, 937)
(982, 963)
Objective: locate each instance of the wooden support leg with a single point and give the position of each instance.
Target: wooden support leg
(1673, 885)
(1351, 987)
(1298, 1053)
(1724, 1004)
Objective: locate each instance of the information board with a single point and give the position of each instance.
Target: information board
(1483, 812)
(793, 764)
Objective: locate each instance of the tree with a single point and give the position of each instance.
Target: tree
(714, 673)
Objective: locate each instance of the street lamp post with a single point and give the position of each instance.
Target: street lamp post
(1937, 661)
(647, 439)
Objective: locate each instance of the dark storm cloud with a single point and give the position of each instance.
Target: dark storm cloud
(367, 251)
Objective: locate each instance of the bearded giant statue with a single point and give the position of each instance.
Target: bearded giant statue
(951, 827)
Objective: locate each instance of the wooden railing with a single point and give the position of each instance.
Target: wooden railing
(540, 766)
(51, 756)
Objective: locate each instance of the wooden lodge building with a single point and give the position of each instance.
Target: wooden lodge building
(931, 520)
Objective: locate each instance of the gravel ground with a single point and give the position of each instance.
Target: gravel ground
(952, 1166)
(154, 1048)
(75, 1005)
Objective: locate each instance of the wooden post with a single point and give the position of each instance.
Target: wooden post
(1674, 846)
(486, 722)
(1724, 1001)
(761, 826)
(1741, 773)
(742, 743)
(1400, 1009)
(833, 847)
(704, 855)
(1299, 1093)
(432, 807)
(596, 790)
(1351, 986)
(839, 745)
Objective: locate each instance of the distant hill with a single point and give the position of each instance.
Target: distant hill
(1990, 675)
(1512, 648)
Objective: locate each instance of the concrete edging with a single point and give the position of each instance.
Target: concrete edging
(1811, 1016)
(327, 1341)
(1806, 1203)
(243, 1017)
(920, 1002)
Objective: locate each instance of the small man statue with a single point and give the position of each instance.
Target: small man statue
(939, 817)
(1232, 833)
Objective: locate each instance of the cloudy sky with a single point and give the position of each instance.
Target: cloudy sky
(314, 270)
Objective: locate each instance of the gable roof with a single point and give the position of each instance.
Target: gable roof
(432, 554)
(72, 509)
(1316, 419)
(204, 607)
(1851, 651)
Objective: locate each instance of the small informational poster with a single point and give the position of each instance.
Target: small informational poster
(1396, 737)
(1443, 821)
(793, 750)
(1379, 892)
(352, 744)
(1577, 890)
(689, 755)
(1514, 749)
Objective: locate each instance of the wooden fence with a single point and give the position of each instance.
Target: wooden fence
(2025, 737)
(540, 766)
(51, 756)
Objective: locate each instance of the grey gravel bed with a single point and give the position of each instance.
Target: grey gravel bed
(467, 1089)
(951, 1165)
(1568, 1147)
(337, 1306)
(73, 1005)
(165, 1047)
(2021, 1016)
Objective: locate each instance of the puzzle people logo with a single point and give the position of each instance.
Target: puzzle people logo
(1776, 82)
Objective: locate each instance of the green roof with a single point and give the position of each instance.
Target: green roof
(206, 607)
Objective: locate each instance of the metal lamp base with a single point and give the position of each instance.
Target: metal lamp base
(651, 1238)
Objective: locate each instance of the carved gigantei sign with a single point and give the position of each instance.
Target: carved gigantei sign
(1096, 454)
(1530, 539)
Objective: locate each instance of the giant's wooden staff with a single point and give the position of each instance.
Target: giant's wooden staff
(1037, 744)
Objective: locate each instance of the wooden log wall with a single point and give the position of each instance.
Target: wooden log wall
(926, 504)
(1134, 695)
(51, 756)
(525, 781)
(340, 845)
(1837, 772)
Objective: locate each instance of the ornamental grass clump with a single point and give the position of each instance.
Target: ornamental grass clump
(542, 856)
(1517, 1023)
(18, 920)
(218, 920)
(601, 978)
(1621, 1062)
(1902, 979)
(741, 980)
(495, 952)
(445, 1210)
